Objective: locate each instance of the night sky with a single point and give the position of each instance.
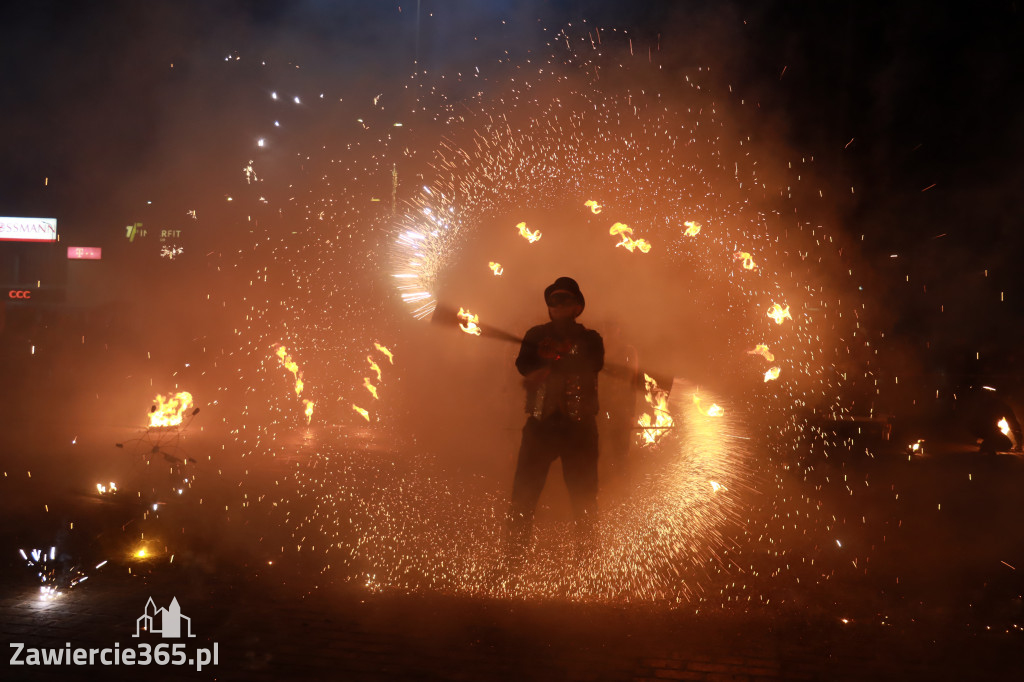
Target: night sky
(915, 105)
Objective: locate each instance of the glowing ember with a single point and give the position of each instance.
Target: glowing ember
(370, 387)
(692, 228)
(385, 351)
(593, 206)
(1004, 426)
(366, 415)
(713, 411)
(525, 232)
(916, 448)
(106, 490)
(653, 428)
(471, 322)
(170, 411)
(762, 350)
(496, 268)
(624, 231)
(772, 374)
(778, 313)
(309, 410)
(748, 260)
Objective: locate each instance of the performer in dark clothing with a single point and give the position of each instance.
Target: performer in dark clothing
(560, 361)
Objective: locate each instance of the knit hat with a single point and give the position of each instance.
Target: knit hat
(568, 285)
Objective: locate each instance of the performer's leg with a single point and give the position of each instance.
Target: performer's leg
(531, 473)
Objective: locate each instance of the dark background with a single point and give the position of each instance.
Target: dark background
(916, 105)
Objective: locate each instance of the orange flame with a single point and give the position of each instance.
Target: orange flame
(772, 374)
(624, 231)
(292, 367)
(655, 427)
(370, 387)
(525, 232)
(309, 410)
(366, 415)
(374, 367)
(593, 206)
(778, 313)
(471, 324)
(496, 268)
(762, 350)
(713, 411)
(170, 411)
(1004, 426)
(692, 228)
(385, 351)
(748, 260)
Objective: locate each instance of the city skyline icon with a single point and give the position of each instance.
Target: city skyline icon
(169, 619)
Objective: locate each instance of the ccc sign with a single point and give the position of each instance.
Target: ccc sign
(23, 294)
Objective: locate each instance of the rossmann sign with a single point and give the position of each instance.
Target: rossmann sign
(28, 229)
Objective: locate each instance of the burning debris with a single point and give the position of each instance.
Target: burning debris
(524, 231)
(625, 231)
(653, 428)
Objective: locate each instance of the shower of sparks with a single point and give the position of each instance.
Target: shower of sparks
(470, 323)
(496, 268)
(524, 231)
(170, 411)
(762, 350)
(593, 206)
(779, 313)
(708, 522)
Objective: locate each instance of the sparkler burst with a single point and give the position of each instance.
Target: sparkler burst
(337, 272)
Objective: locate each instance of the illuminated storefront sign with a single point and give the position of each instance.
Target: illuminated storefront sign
(85, 253)
(28, 229)
(23, 294)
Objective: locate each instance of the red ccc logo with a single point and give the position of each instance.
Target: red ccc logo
(19, 293)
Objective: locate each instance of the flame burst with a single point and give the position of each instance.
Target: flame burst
(471, 322)
(762, 350)
(748, 260)
(309, 410)
(525, 232)
(366, 415)
(656, 427)
(692, 228)
(292, 367)
(385, 351)
(624, 231)
(779, 313)
(496, 268)
(170, 411)
(1004, 426)
(713, 411)
(593, 206)
(772, 374)
(375, 367)
(370, 387)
